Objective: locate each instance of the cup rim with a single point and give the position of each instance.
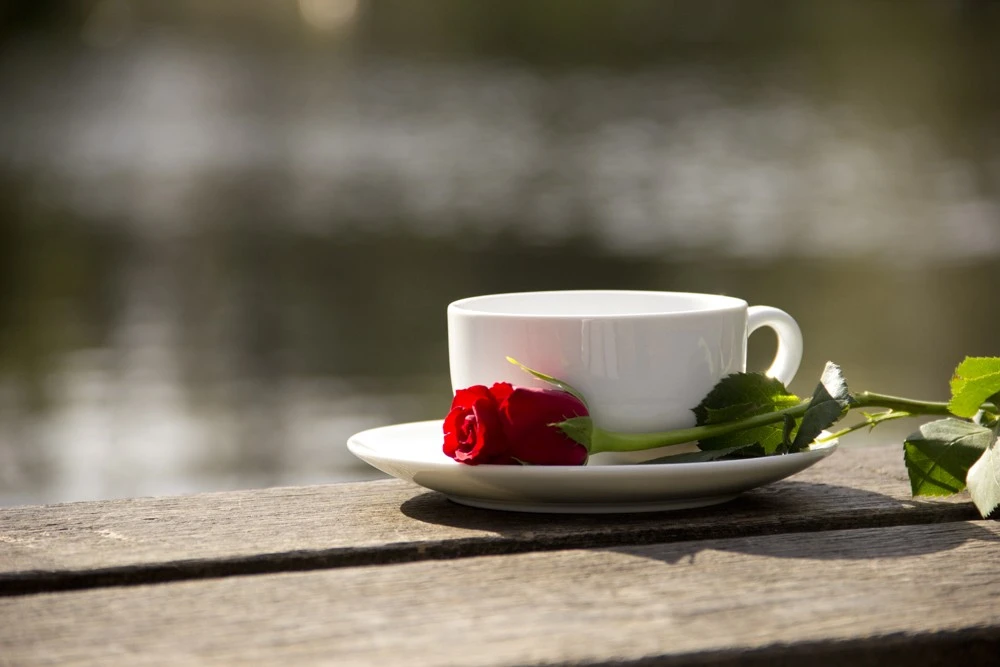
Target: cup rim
(715, 303)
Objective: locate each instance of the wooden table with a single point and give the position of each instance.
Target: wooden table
(837, 564)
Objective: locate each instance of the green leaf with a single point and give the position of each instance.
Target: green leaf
(559, 384)
(743, 395)
(711, 455)
(831, 400)
(984, 480)
(729, 413)
(976, 380)
(939, 455)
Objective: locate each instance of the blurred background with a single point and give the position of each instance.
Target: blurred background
(229, 228)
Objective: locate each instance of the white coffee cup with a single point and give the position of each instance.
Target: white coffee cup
(642, 360)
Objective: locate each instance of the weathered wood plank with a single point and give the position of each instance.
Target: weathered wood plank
(868, 596)
(164, 539)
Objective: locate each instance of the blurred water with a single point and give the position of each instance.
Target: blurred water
(228, 232)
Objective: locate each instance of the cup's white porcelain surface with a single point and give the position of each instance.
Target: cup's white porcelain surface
(643, 360)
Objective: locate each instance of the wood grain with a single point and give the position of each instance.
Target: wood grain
(874, 596)
(145, 540)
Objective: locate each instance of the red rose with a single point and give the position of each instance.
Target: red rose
(502, 424)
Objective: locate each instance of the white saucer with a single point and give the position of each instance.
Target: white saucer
(412, 452)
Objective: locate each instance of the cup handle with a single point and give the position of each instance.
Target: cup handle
(789, 354)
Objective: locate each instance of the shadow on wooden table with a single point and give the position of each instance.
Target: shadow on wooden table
(784, 508)
(892, 542)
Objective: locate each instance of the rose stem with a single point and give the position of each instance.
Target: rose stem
(607, 441)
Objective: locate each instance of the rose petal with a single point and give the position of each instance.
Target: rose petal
(466, 397)
(528, 418)
(501, 391)
(474, 433)
(453, 426)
